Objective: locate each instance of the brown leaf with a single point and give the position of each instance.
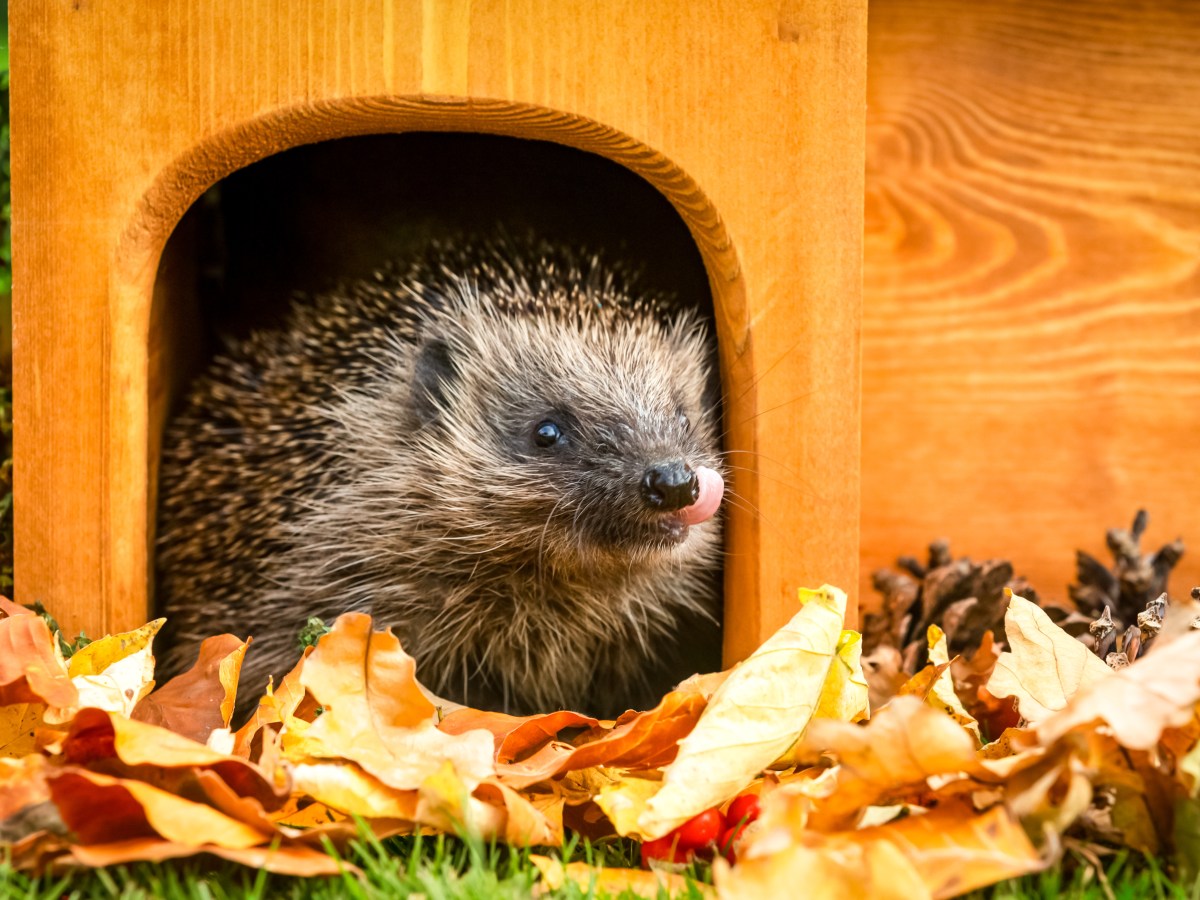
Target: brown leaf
(201, 699)
(901, 747)
(31, 669)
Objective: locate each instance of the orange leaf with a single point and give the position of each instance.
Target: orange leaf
(31, 670)
(278, 705)
(824, 870)
(955, 852)
(526, 824)
(515, 735)
(288, 859)
(22, 789)
(644, 740)
(376, 715)
(200, 700)
(99, 735)
(99, 809)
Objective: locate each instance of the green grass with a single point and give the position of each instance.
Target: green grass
(434, 867)
(439, 868)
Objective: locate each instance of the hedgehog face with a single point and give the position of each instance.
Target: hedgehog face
(587, 437)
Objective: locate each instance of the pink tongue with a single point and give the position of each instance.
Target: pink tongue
(712, 489)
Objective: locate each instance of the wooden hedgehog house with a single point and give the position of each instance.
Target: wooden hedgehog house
(746, 118)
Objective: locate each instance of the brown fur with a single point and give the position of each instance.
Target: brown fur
(377, 455)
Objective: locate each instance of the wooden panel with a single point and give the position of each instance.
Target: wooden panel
(1031, 331)
(747, 116)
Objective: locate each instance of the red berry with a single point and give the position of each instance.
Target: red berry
(701, 830)
(744, 808)
(664, 848)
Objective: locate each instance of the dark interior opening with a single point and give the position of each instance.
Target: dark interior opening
(302, 220)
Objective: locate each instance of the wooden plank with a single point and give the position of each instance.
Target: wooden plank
(1031, 329)
(748, 117)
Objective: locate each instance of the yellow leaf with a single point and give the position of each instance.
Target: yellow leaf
(604, 882)
(844, 694)
(753, 717)
(101, 654)
(624, 801)
(1046, 666)
(348, 789)
(942, 694)
(18, 728)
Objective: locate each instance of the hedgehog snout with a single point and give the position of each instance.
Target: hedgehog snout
(669, 486)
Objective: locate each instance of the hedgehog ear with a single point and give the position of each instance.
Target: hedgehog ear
(433, 375)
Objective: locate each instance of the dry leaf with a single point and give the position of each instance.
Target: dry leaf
(612, 881)
(348, 789)
(844, 695)
(287, 859)
(31, 667)
(1046, 666)
(644, 740)
(99, 809)
(200, 700)
(276, 706)
(942, 694)
(754, 716)
(827, 871)
(376, 715)
(515, 736)
(955, 852)
(1160, 690)
(905, 744)
(18, 729)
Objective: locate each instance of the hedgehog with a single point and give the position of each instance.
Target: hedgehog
(504, 450)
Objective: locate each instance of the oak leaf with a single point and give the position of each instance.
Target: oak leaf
(1159, 691)
(1046, 666)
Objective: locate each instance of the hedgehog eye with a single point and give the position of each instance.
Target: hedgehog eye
(547, 434)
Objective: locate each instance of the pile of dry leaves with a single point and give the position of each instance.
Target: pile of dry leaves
(909, 800)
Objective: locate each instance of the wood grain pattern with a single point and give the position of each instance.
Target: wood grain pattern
(1031, 332)
(746, 116)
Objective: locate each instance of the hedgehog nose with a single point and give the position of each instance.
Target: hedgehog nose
(670, 486)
